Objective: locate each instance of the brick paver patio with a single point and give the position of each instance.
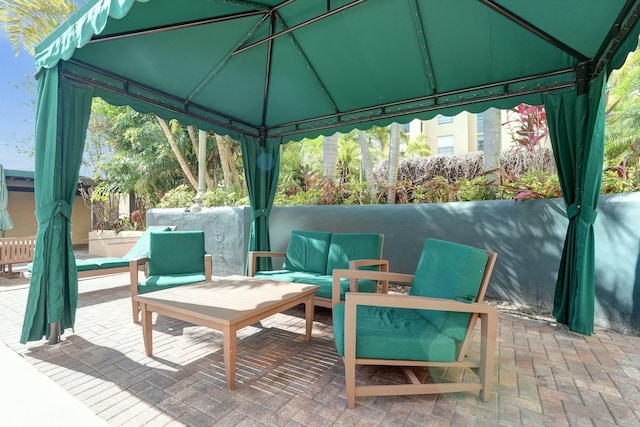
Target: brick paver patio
(545, 374)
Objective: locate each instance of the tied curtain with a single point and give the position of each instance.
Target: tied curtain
(576, 125)
(261, 162)
(62, 118)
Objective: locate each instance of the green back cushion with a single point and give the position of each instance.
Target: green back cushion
(178, 252)
(141, 248)
(307, 251)
(451, 271)
(347, 247)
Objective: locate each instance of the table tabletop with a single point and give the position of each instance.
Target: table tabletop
(227, 299)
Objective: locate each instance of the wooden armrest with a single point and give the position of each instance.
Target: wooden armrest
(416, 302)
(356, 264)
(254, 255)
(381, 276)
(133, 273)
(359, 263)
(137, 261)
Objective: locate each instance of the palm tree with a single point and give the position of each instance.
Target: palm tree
(394, 161)
(27, 22)
(492, 132)
(330, 155)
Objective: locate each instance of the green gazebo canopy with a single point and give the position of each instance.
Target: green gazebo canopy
(272, 71)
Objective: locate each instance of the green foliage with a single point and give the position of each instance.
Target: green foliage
(180, 197)
(533, 185)
(348, 159)
(225, 197)
(27, 22)
(623, 110)
(612, 182)
(474, 189)
(418, 147)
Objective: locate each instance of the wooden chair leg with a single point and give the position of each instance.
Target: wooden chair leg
(136, 311)
(350, 381)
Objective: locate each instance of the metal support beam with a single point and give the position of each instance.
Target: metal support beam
(533, 29)
(300, 25)
(423, 45)
(267, 77)
(310, 67)
(617, 33)
(412, 106)
(176, 26)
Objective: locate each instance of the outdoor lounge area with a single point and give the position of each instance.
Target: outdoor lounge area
(545, 375)
(278, 72)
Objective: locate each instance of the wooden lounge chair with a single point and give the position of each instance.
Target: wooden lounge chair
(92, 267)
(175, 259)
(430, 327)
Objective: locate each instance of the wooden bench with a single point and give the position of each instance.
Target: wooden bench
(16, 250)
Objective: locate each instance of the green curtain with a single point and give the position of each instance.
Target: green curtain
(576, 126)
(261, 163)
(62, 117)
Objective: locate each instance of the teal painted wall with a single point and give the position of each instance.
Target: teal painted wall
(528, 237)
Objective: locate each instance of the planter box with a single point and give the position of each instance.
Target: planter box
(108, 243)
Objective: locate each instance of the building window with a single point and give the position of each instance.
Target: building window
(480, 131)
(445, 145)
(444, 120)
(406, 128)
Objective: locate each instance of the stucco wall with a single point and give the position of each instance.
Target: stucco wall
(528, 237)
(22, 206)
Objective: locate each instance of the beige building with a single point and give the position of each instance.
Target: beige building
(22, 206)
(462, 133)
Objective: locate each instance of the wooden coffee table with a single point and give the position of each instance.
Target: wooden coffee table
(226, 304)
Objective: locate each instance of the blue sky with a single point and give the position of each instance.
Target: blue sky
(17, 107)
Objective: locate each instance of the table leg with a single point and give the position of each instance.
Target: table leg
(229, 347)
(308, 310)
(146, 329)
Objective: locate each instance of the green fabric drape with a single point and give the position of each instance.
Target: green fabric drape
(62, 118)
(576, 126)
(261, 168)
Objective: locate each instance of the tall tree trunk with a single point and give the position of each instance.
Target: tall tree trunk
(394, 160)
(330, 155)
(232, 162)
(225, 161)
(193, 135)
(178, 153)
(492, 136)
(367, 164)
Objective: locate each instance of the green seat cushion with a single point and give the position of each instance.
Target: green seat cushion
(394, 333)
(347, 247)
(155, 283)
(451, 271)
(307, 251)
(326, 285)
(110, 262)
(286, 275)
(86, 265)
(81, 265)
(177, 252)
